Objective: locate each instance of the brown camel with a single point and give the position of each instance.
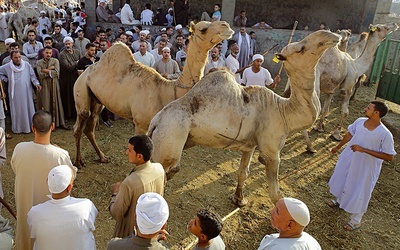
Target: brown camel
(134, 91)
(219, 113)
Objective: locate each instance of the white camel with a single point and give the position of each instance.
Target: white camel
(337, 70)
(134, 91)
(219, 113)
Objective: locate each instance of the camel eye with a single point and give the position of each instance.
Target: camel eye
(203, 31)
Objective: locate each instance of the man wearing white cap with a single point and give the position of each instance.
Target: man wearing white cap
(69, 58)
(63, 222)
(31, 163)
(142, 38)
(44, 23)
(289, 216)
(6, 53)
(151, 214)
(167, 67)
(144, 177)
(257, 75)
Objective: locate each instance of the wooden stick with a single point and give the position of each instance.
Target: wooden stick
(12, 212)
(53, 93)
(266, 52)
(290, 40)
(3, 95)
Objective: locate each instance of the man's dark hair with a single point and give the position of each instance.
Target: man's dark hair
(101, 31)
(34, 21)
(142, 144)
(139, 27)
(108, 29)
(128, 1)
(81, 31)
(381, 107)
(42, 121)
(90, 45)
(75, 24)
(47, 38)
(210, 223)
(58, 26)
(230, 43)
(148, 6)
(251, 32)
(122, 28)
(31, 31)
(14, 45)
(14, 52)
(164, 40)
(217, 4)
(180, 36)
(48, 47)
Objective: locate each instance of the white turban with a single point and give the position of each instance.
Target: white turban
(146, 32)
(59, 22)
(9, 40)
(258, 56)
(102, 1)
(42, 12)
(170, 9)
(298, 210)
(59, 178)
(178, 27)
(166, 48)
(67, 38)
(129, 33)
(151, 213)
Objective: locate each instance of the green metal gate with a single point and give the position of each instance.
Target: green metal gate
(386, 70)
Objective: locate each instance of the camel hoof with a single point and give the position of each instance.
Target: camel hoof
(337, 137)
(320, 127)
(311, 150)
(79, 164)
(239, 203)
(104, 160)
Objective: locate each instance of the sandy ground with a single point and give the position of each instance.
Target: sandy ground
(208, 177)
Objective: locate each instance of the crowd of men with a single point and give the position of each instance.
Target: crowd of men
(41, 75)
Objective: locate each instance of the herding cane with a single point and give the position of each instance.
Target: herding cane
(3, 95)
(53, 91)
(6, 205)
(290, 40)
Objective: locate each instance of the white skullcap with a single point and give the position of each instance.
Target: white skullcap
(151, 213)
(178, 27)
(42, 12)
(170, 9)
(146, 32)
(129, 33)
(9, 40)
(67, 38)
(298, 210)
(258, 56)
(163, 29)
(166, 48)
(59, 22)
(59, 178)
(102, 1)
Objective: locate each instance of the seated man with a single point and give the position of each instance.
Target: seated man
(6, 234)
(216, 16)
(151, 217)
(63, 222)
(262, 25)
(289, 216)
(102, 14)
(207, 226)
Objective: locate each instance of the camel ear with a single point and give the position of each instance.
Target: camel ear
(191, 28)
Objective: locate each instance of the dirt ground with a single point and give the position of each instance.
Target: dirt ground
(208, 177)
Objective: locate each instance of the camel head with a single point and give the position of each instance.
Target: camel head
(382, 30)
(303, 56)
(208, 34)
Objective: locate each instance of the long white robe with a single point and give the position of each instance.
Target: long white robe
(356, 173)
(22, 108)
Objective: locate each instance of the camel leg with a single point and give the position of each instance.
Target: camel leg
(320, 127)
(243, 173)
(310, 147)
(78, 127)
(89, 129)
(345, 112)
(271, 168)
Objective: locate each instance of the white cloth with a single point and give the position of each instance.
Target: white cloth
(146, 17)
(233, 65)
(15, 69)
(146, 59)
(216, 244)
(44, 24)
(31, 51)
(66, 223)
(261, 78)
(356, 173)
(127, 15)
(3, 27)
(273, 242)
(152, 213)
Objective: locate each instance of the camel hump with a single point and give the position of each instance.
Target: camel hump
(118, 55)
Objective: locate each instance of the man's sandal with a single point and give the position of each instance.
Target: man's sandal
(351, 227)
(333, 203)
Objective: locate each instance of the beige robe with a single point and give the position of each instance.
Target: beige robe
(47, 94)
(148, 177)
(31, 163)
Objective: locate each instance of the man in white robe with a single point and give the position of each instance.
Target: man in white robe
(359, 165)
(19, 76)
(245, 47)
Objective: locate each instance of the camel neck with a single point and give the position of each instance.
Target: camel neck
(365, 60)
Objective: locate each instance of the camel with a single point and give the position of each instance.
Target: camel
(134, 91)
(337, 70)
(355, 50)
(345, 34)
(217, 112)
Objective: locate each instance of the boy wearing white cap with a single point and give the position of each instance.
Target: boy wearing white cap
(151, 214)
(289, 216)
(63, 222)
(257, 75)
